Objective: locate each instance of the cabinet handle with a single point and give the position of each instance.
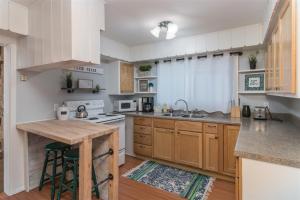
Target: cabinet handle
(142, 147)
(216, 137)
(212, 126)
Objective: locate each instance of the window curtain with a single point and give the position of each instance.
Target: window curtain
(208, 83)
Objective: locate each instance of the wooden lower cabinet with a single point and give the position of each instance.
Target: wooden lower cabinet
(188, 148)
(143, 150)
(211, 152)
(230, 138)
(163, 144)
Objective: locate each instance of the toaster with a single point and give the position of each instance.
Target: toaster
(260, 113)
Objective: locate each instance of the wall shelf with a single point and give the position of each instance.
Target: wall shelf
(252, 92)
(252, 71)
(146, 93)
(72, 90)
(146, 77)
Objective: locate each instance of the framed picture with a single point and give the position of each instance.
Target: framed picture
(254, 82)
(143, 85)
(85, 83)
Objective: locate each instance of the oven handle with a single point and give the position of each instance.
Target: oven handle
(111, 121)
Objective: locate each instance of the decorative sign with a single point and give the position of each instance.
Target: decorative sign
(143, 85)
(88, 69)
(254, 82)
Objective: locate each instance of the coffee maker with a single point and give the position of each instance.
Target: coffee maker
(148, 104)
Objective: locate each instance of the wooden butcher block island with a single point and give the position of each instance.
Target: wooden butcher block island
(73, 132)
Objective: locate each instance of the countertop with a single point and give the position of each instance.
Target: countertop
(69, 131)
(267, 141)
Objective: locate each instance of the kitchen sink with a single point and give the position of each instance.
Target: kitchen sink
(198, 116)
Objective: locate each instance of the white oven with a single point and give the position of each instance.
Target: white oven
(124, 105)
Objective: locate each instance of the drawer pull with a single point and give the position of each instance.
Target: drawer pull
(216, 137)
(211, 126)
(142, 147)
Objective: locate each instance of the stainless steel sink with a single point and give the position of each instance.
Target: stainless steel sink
(198, 116)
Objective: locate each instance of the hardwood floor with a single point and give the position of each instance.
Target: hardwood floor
(132, 190)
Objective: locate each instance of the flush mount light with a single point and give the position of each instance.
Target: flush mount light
(168, 28)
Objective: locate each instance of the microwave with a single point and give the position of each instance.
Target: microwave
(124, 105)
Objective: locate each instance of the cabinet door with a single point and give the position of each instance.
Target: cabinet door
(4, 14)
(18, 18)
(276, 59)
(211, 152)
(230, 137)
(126, 78)
(287, 26)
(270, 69)
(164, 144)
(188, 148)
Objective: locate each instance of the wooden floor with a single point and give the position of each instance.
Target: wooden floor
(132, 190)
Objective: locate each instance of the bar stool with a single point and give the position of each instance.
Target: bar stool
(53, 153)
(71, 162)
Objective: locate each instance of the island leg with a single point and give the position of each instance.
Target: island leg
(114, 166)
(85, 170)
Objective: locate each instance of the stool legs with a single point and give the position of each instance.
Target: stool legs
(44, 171)
(62, 180)
(52, 178)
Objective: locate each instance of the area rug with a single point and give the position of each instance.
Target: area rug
(189, 185)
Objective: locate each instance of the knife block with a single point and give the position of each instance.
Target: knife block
(235, 112)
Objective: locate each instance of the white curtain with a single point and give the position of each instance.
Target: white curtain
(207, 83)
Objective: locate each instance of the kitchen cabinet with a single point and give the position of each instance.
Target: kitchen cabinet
(119, 78)
(126, 78)
(163, 144)
(287, 42)
(213, 147)
(143, 134)
(18, 18)
(4, 14)
(61, 34)
(211, 152)
(230, 138)
(281, 62)
(188, 148)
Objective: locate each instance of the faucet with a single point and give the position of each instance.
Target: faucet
(186, 105)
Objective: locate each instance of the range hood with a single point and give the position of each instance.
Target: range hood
(62, 34)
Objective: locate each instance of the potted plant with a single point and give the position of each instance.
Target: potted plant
(69, 80)
(97, 89)
(151, 85)
(252, 61)
(145, 69)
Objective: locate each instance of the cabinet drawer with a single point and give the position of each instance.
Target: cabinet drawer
(164, 123)
(144, 150)
(144, 121)
(143, 139)
(189, 126)
(143, 129)
(210, 128)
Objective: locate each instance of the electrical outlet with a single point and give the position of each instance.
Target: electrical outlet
(55, 107)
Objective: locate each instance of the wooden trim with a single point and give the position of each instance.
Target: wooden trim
(85, 168)
(221, 147)
(294, 50)
(113, 187)
(238, 179)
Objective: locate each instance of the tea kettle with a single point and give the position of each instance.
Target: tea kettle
(81, 112)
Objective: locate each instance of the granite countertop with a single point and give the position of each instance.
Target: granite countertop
(268, 141)
(226, 119)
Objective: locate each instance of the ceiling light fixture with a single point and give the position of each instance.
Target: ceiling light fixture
(168, 28)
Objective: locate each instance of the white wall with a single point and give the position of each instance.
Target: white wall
(227, 39)
(114, 49)
(266, 181)
(268, 14)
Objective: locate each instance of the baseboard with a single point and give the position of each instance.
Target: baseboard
(15, 191)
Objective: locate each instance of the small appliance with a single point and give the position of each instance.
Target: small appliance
(63, 113)
(95, 109)
(246, 111)
(124, 105)
(260, 113)
(148, 104)
(81, 112)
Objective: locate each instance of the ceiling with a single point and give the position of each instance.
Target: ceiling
(24, 2)
(129, 21)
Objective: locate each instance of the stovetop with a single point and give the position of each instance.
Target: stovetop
(102, 117)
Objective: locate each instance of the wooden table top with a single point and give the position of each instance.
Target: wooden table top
(69, 131)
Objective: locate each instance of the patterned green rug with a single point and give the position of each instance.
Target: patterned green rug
(189, 185)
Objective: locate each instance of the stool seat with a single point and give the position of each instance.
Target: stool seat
(56, 146)
(72, 154)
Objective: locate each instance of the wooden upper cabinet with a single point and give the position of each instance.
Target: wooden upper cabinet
(276, 59)
(163, 144)
(287, 42)
(188, 148)
(269, 69)
(126, 78)
(230, 138)
(211, 152)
